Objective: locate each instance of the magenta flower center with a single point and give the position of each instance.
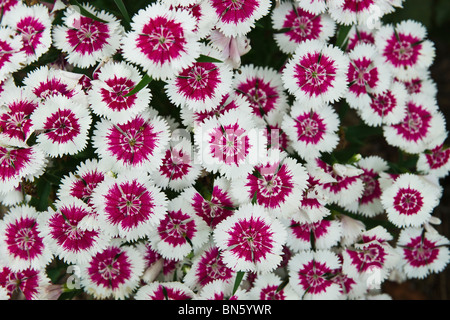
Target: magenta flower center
(235, 11)
(383, 104)
(402, 50)
(115, 96)
(91, 36)
(263, 97)
(23, 239)
(362, 75)
(52, 87)
(420, 252)
(31, 30)
(13, 161)
(62, 126)
(408, 201)
(416, 124)
(212, 267)
(302, 25)
(199, 82)
(229, 144)
(310, 127)
(176, 164)
(176, 228)
(16, 123)
(314, 277)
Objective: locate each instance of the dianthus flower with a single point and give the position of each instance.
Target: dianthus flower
(435, 161)
(267, 287)
(29, 283)
(164, 291)
(12, 58)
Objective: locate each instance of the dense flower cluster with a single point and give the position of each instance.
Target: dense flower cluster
(237, 196)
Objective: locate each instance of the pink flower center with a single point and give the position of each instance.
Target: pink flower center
(303, 25)
(315, 73)
(408, 201)
(31, 30)
(372, 189)
(250, 239)
(91, 36)
(215, 210)
(52, 87)
(262, 96)
(177, 228)
(199, 82)
(16, 122)
(162, 40)
(416, 124)
(13, 161)
(357, 5)
(313, 277)
(85, 184)
(371, 256)
(26, 281)
(23, 240)
(212, 267)
(402, 50)
(115, 96)
(362, 75)
(235, 11)
(438, 157)
(110, 268)
(229, 144)
(420, 252)
(176, 164)
(62, 126)
(383, 104)
(310, 127)
(271, 292)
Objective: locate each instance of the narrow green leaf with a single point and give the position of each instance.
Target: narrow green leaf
(141, 85)
(86, 13)
(255, 198)
(237, 282)
(342, 36)
(123, 10)
(204, 58)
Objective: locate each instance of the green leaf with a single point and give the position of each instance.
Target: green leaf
(237, 282)
(86, 13)
(342, 34)
(123, 10)
(204, 58)
(141, 85)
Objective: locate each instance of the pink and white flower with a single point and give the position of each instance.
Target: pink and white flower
(435, 161)
(263, 89)
(405, 48)
(350, 12)
(367, 75)
(29, 283)
(139, 143)
(113, 272)
(15, 123)
(19, 163)
(108, 96)
(422, 84)
(315, 6)
(267, 287)
(215, 207)
(87, 41)
(311, 272)
(208, 266)
(22, 246)
(311, 131)
(202, 85)
(221, 290)
(232, 47)
(162, 41)
(12, 58)
(251, 240)
(316, 73)
(409, 201)
(129, 206)
(238, 17)
(33, 24)
(422, 252)
(294, 24)
(423, 126)
(7, 5)
(359, 35)
(178, 169)
(62, 125)
(45, 82)
(230, 144)
(385, 108)
(164, 291)
(179, 231)
(276, 183)
(320, 235)
(64, 234)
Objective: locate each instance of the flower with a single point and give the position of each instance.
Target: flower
(29, 283)
(63, 126)
(250, 239)
(164, 291)
(15, 124)
(215, 207)
(64, 234)
(108, 96)
(367, 75)
(207, 267)
(162, 41)
(45, 82)
(179, 232)
(321, 235)
(139, 143)
(405, 48)
(22, 247)
(276, 184)
(202, 85)
(113, 272)
(435, 161)
(230, 144)
(231, 47)
(12, 58)
(129, 206)
(422, 128)
(314, 6)
(409, 201)
(310, 273)
(359, 34)
(236, 18)
(386, 108)
(263, 89)
(33, 24)
(350, 12)
(316, 73)
(85, 40)
(220, 290)
(7, 5)
(268, 286)
(422, 84)
(19, 163)
(311, 131)
(178, 169)
(294, 24)
(422, 252)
